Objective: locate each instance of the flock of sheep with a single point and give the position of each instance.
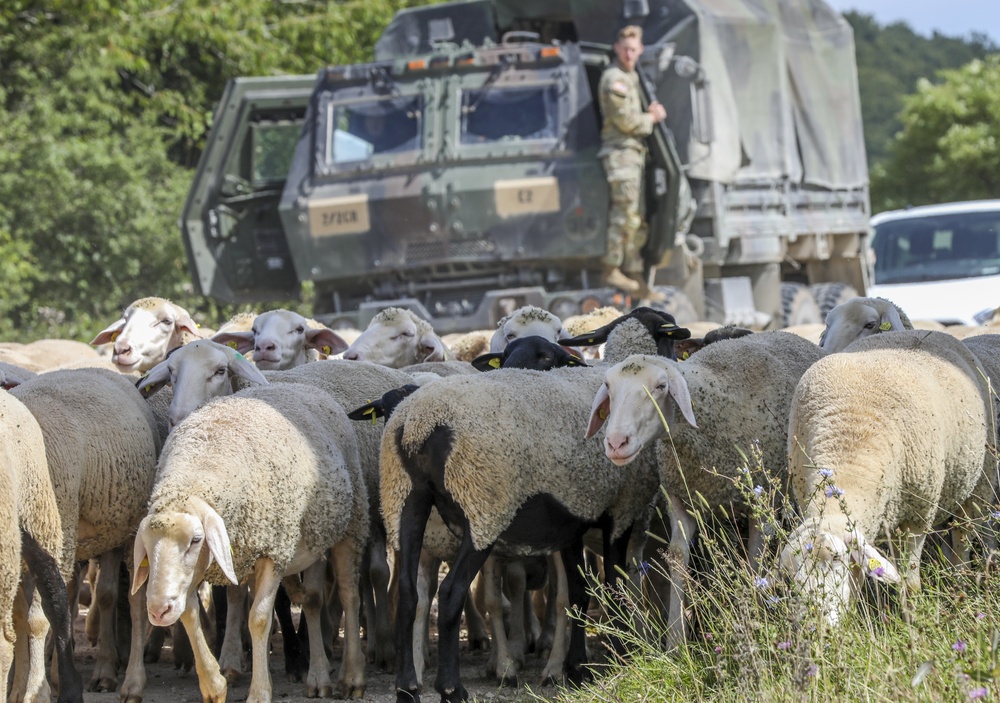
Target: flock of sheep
(255, 460)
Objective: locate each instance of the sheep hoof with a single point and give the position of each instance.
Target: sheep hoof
(479, 643)
(551, 680)
(456, 695)
(385, 657)
(410, 694)
(103, 684)
(347, 691)
(232, 675)
(296, 666)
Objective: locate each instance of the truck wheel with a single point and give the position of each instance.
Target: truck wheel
(830, 295)
(676, 304)
(798, 306)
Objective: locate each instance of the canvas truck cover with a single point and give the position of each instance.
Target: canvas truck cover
(782, 79)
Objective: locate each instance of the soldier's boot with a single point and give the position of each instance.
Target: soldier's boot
(614, 277)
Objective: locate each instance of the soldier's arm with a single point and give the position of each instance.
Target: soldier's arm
(634, 123)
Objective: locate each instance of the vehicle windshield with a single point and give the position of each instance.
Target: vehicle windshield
(935, 248)
(499, 114)
(360, 130)
(273, 149)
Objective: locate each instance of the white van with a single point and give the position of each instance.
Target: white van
(940, 262)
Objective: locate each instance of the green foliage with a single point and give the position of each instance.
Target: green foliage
(891, 60)
(104, 108)
(949, 147)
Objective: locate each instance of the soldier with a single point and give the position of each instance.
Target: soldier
(623, 151)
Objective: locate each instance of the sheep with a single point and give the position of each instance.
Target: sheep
(642, 331)
(14, 375)
(31, 528)
(101, 446)
(264, 497)
(687, 347)
(12, 356)
(859, 318)
(146, 331)
(280, 339)
(461, 444)
(397, 337)
(441, 368)
(580, 324)
(730, 395)
(526, 322)
(528, 353)
(46, 354)
(468, 345)
(888, 437)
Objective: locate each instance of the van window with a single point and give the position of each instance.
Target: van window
(500, 114)
(941, 247)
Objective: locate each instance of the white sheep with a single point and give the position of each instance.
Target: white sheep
(858, 318)
(29, 516)
(146, 331)
(398, 337)
(528, 321)
(101, 446)
(280, 339)
(263, 497)
(728, 397)
(47, 354)
(466, 346)
(886, 440)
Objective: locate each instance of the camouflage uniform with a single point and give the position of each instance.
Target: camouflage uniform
(623, 152)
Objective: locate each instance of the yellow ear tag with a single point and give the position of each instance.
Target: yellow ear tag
(114, 336)
(590, 341)
(495, 363)
(148, 388)
(144, 563)
(371, 411)
(602, 413)
(684, 356)
(885, 326)
(231, 344)
(327, 350)
(667, 325)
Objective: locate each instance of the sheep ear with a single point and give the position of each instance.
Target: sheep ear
(325, 340)
(140, 561)
(598, 411)
(369, 411)
(240, 367)
(218, 543)
(109, 333)
(680, 394)
(672, 331)
(434, 347)
(890, 320)
(185, 323)
(684, 348)
(240, 341)
(488, 362)
(154, 379)
(872, 562)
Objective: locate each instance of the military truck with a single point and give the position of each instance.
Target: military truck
(457, 173)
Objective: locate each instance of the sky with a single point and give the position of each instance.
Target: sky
(951, 17)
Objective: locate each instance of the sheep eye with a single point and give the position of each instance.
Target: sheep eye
(253, 331)
(870, 325)
(510, 336)
(407, 334)
(300, 329)
(164, 321)
(221, 371)
(661, 387)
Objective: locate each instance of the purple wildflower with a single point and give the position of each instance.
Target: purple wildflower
(959, 646)
(826, 473)
(833, 492)
(718, 649)
(758, 489)
(787, 644)
(977, 693)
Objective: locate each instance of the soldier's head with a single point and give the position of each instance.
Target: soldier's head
(628, 46)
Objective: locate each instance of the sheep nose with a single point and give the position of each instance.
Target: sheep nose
(617, 441)
(123, 349)
(351, 355)
(265, 346)
(165, 612)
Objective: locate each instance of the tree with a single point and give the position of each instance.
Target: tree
(949, 147)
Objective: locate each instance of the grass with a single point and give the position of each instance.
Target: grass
(754, 637)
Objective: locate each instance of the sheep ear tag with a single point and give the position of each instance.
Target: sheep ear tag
(144, 563)
(495, 363)
(114, 336)
(885, 326)
(231, 344)
(374, 415)
(326, 350)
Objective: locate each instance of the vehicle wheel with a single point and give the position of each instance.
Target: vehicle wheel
(798, 307)
(830, 295)
(676, 304)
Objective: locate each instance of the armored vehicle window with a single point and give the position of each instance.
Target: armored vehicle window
(273, 149)
(496, 114)
(365, 129)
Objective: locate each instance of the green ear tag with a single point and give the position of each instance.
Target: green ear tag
(327, 350)
(238, 355)
(885, 326)
(684, 356)
(231, 344)
(495, 363)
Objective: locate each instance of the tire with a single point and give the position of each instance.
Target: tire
(830, 295)
(798, 307)
(676, 304)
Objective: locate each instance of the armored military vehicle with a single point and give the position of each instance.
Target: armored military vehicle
(457, 173)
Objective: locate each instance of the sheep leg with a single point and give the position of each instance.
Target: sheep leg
(296, 662)
(31, 627)
(267, 581)
(412, 523)
(154, 645)
(679, 553)
(220, 604)
(576, 587)
(22, 657)
(615, 563)
(544, 602)
(516, 581)
(135, 673)
(7, 639)
(427, 572)
(351, 682)
(500, 665)
(92, 624)
(378, 572)
(451, 600)
(553, 671)
(105, 676)
(183, 656)
(231, 652)
(51, 591)
(212, 683)
(479, 638)
(318, 678)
